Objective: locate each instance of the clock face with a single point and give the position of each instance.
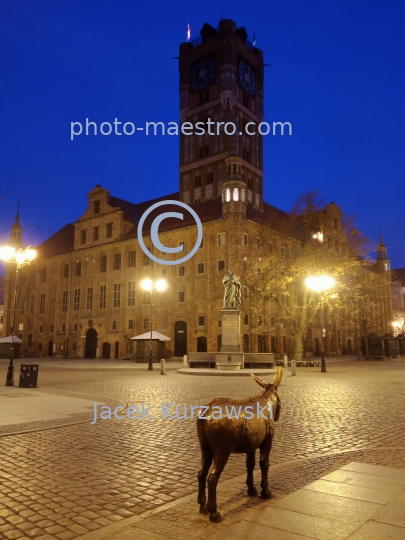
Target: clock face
(202, 73)
(247, 77)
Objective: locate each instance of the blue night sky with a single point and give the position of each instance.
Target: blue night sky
(337, 74)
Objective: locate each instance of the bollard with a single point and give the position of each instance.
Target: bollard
(285, 361)
(185, 363)
(163, 367)
(293, 368)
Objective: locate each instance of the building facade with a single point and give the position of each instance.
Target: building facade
(81, 297)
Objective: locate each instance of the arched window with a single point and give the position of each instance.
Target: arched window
(197, 180)
(227, 195)
(235, 194)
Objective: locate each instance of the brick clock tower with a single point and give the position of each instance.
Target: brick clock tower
(221, 79)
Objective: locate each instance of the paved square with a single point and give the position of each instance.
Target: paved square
(65, 478)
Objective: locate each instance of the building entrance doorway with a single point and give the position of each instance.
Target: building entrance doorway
(202, 344)
(91, 344)
(50, 348)
(106, 351)
(180, 338)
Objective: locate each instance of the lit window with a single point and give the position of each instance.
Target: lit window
(221, 239)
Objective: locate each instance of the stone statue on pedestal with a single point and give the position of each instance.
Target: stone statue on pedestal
(233, 295)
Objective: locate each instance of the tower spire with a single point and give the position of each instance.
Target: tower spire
(383, 261)
(16, 230)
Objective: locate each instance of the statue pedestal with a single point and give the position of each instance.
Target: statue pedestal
(230, 330)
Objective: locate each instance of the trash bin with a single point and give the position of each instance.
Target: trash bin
(28, 375)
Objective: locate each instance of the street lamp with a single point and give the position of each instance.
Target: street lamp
(19, 257)
(148, 285)
(320, 284)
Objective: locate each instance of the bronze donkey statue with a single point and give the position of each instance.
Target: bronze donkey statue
(226, 426)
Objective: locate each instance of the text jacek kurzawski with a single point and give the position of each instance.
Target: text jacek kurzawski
(170, 411)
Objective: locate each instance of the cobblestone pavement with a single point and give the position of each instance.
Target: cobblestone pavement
(80, 479)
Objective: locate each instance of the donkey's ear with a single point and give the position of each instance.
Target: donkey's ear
(260, 381)
(277, 378)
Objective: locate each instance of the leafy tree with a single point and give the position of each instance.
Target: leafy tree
(315, 239)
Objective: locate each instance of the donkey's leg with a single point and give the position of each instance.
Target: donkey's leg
(206, 461)
(265, 448)
(250, 465)
(213, 477)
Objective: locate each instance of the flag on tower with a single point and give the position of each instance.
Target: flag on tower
(188, 31)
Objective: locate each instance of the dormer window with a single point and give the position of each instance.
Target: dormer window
(96, 207)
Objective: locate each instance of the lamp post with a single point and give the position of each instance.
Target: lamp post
(320, 284)
(148, 285)
(19, 257)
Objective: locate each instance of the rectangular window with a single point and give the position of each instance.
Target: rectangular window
(96, 207)
(221, 239)
(43, 274)
(96, 233)
(32, 304)
(78, 268)
(76, 300)
(146, 260)
(282, 252)
(75, 327)
(202, 243)
(181, 270)
(117, 295)
(131, 259)
(146, 297)
(41, 329)
(221, 265)
(42, 303)
(245, 292)
(146, 323)
(83, 236)
(64, 301)
(182, 296)
(117, 261)
(74, 347)
(52, 328)
(22, 304)
(131, 293)
(245, 319)
(103, 296)
(245, 239)
(66, 271)
(89, 298)
(183, 244)
(109, 230)
(29, 340)
(200, 268)
(259, 321)
(114, 325)
(130, 324)
(201, 320)
(220, 324)
(63, 328)
(40, 346)
(103, 264)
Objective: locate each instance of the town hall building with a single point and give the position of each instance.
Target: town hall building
(81, 296)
